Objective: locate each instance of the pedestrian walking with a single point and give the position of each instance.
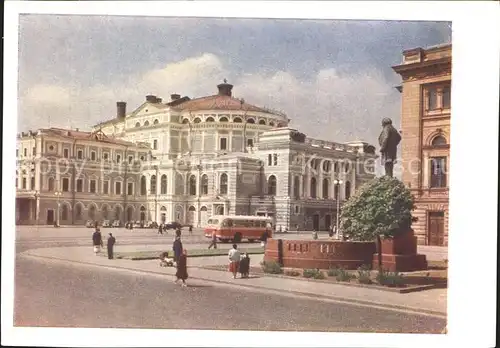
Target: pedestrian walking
(111, 245)
(177, 248)
(160, 229)
(181, 273)
(330, 231)
(178, 232)
(245, 265)
(97, 241)
(263, 238)
(234, 260)
(213, 243)
(190, 229)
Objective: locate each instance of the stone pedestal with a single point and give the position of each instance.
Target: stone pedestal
(400, 254)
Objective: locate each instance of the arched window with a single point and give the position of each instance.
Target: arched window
(438, 141)
(91, 212)
(185, 121)
(51, 184)
(156, 121)
(326, 188)
(271, 124)
(327, 166)
(223, 119)
(163, 188)
(204, 184)
(336, 191)
(192, 185)
(197, 120)
(210, 119)
(347, 166)
(237, 120)
(64, 212)
(313, 187)
(143, 214)
(104, 212)
(130, 214)
(223, 184)
(262, 122)
(146, 123)
(143, 185)
(137, 125)
(152, 184)
(251, 120)
(271, 185)
(78, 212)
(347, 190)
(118, 213)
(336, 167)
(296, 187)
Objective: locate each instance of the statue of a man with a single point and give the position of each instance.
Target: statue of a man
(389, 140)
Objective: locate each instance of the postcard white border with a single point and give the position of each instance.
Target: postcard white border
(473, 179)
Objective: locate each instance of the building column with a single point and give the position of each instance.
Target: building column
(307, 191)
(301, 186)
(319, 188)
(425, 173)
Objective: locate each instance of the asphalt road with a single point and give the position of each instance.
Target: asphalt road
(64, 295)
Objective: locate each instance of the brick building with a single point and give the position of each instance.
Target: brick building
(425, 127)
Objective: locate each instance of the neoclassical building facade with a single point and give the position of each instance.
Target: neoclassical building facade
(188, 159)
(425, 127)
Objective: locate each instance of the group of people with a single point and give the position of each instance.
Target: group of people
(98, 243)
(238, 263)
(163, 228)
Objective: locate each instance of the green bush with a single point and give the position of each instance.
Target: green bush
(364, 275)
(382, 206)
(313, 273)
(391, 279)
(344, 276)
(271, 267)
(292, 273)
(332, 272)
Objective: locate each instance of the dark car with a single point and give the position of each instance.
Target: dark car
(173, 226)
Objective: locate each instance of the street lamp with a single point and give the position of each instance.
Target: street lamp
(37, 203)
(58, 195)
(337, 184)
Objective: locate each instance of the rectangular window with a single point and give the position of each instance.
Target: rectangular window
(105, 187)
(130, 158)
(269, 160)
(93, 186)
(118, 158)
(34, 151)
(17, 182)
(66, 153)
(79, 185)
(223, 143)
(93, 156)
(65, 185)
(432, 102)
(446, 97)
(24, 183)
(118, 188)
(130, 188)
(79, 154)
(155, 144)
(250, 142)
(32, 183)
(105, 156)
(438, 172)
(17, 152)
(25, 152)
(275, 159)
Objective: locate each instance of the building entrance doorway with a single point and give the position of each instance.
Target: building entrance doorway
(435, 228)
(316, 222)
(50, 217)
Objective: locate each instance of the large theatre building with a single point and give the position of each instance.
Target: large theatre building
(425, 127)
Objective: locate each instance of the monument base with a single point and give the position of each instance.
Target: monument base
(401, 263)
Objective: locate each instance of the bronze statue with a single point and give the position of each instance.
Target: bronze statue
(388, 139)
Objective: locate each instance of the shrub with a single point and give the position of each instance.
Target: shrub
(344, 276)
(380, 207)
(292, 273)
(271, 267)
(391, 279)
(332, 272)
(313, 273)
(364, 275)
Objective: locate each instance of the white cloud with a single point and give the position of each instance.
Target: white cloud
(331, 105)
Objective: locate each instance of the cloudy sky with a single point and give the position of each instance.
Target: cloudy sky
(332, 78)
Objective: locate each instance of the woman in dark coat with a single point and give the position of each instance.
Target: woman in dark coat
(181, 273)
(245, 266)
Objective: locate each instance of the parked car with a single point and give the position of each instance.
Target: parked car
(136, 224)
(90, 224)
(173, 226)
(106, 224)
(154, 225)
(116, 223)
(147, 224)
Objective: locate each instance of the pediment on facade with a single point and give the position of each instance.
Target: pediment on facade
(147, 109)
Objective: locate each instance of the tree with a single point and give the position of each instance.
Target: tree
(381, 207)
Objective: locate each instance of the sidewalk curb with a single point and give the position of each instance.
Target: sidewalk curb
(315, 296)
